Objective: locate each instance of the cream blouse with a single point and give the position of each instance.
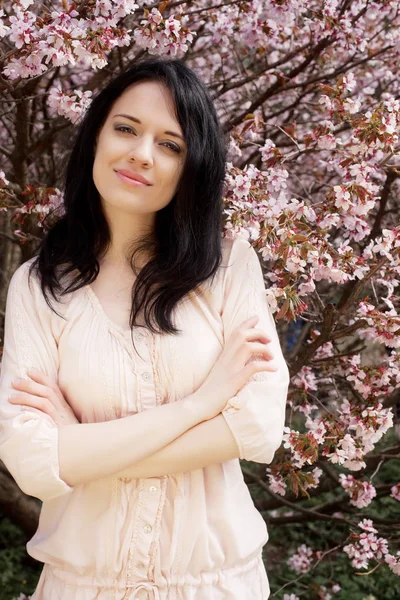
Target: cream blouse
(189, 536)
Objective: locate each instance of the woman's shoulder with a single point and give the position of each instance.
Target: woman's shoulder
(20, 278)
(235, 249)
(27, 274)
(233, 252)
(26, 286)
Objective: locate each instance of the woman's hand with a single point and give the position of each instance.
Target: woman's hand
(235, 366)
(41, 393)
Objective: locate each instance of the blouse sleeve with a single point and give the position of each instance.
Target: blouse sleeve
(256, 414)
(29, 437)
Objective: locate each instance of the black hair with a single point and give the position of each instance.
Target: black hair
(186, 244)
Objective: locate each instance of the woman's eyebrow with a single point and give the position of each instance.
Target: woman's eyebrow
(137, 121)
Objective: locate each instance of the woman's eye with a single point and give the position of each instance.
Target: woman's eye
(173, 147)
(121, 127)
(124, 128)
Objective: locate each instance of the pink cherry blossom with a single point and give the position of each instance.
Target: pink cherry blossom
(395, 492)
(276, 483)
(70, 105)
(361, 492)
(393, 562)
(301, 561)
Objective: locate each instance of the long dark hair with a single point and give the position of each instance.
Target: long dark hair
(186, 244)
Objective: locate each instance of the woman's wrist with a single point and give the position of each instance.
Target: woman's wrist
(196, 405)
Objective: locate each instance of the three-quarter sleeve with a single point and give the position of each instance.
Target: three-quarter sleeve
(29, 437)
(256, 414)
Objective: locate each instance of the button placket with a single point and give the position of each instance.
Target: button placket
(149, 496)
(143, 369)
(139, 555)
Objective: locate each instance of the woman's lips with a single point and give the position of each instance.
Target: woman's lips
(130, 181)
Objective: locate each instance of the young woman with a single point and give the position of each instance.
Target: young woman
(157, 368)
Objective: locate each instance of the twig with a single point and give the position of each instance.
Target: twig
(376, 470)
(301, 509)
(371, 571)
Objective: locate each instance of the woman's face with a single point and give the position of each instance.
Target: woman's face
(138, 137)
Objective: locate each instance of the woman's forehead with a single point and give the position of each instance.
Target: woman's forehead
(144, 95)
(148, 101)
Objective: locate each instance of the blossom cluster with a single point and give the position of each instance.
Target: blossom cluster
(42, 201)
(361, 492)
(301, 560)
(72, 105)
(345, 438)
(395, 492)
(63, 38)
(368, 546)
(163, 36)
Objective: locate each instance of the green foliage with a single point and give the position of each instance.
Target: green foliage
(19, 573)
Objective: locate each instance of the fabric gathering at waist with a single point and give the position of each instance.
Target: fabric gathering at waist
(70, 578)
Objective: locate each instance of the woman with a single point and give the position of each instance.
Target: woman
(158, 368)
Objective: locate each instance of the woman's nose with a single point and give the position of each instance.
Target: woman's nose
(141, 151)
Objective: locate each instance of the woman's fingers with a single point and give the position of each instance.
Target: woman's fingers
(41, 393)
(32, 387)
(49, 388)
(42, 380)
(37, 394)
(38, 402)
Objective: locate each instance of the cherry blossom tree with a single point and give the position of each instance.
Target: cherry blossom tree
(309, 96)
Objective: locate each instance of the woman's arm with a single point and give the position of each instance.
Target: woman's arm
(89, 451)
(208, 442)
(205, 444)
